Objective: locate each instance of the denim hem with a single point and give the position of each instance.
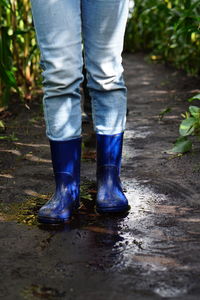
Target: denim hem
(68, 139)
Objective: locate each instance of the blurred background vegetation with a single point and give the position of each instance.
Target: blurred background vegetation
(19, 54)
(168, 29)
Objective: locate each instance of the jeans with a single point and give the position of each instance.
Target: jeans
(65, 29)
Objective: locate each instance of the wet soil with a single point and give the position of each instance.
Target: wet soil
(150, 253)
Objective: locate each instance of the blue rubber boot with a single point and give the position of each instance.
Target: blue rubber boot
(110, 196)
(66, 157)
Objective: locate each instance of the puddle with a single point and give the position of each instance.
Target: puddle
(140, 133)
(166, 291)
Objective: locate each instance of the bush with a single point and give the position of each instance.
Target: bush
(170, 29)
(19, 55)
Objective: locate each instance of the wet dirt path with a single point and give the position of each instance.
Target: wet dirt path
(152, 252)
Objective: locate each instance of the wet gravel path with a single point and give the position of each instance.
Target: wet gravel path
(151, 253)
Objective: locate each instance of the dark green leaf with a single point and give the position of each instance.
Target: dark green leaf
(182, 145)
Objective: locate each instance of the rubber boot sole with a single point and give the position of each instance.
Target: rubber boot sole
(52, 221)
(113, 210)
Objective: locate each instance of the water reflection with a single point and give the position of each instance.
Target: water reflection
(113, 241)
(146, 242)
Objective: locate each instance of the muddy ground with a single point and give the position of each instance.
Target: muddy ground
(151, 253)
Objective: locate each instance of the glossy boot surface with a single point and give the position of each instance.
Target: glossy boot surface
(66, 157)
(110, 196)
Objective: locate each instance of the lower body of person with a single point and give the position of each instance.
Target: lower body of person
(62, 27)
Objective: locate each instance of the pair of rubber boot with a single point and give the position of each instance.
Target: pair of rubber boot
(66, 157)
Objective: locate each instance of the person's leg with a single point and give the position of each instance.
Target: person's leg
(103, 23)
(58, 31)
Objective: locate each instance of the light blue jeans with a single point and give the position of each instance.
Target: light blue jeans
(65, 28)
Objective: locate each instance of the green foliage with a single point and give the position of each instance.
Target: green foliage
(190, 126)
(2, 125)
(170, 29)
(196, 97)
(164, 112)
(182, 145)
(11, 137)
(19, 55)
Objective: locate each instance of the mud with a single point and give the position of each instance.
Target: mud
(150, 253)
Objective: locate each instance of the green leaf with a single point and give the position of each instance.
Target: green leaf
(9, 137)
(195, 111)
(164, 112)
(187, 126)
(11, 78)
(196, 97)
(182, 145)
(2, 125)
